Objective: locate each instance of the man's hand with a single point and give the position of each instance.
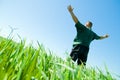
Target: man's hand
(70, 9)
(105, 36)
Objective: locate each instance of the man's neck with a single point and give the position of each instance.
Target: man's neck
(90, 28)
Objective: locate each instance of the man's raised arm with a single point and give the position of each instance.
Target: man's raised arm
(70, 9)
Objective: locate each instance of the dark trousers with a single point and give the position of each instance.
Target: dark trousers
(79, 53)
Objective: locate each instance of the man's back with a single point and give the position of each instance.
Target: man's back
(84, 35)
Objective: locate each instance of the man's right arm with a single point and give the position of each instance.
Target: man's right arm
(70, 9)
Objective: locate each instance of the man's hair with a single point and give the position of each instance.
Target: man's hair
(90, 23)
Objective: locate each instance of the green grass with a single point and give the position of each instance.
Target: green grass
(20, 62)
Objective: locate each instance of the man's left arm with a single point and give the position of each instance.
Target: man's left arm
(103, 37)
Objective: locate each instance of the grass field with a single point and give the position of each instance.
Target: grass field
(20, 62)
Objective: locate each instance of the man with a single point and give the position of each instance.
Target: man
(82, 40)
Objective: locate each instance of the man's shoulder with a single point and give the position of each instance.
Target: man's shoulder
(79, 25)
(92, 31)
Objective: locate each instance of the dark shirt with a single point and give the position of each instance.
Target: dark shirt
(84, 35)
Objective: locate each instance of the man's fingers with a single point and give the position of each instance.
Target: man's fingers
(70, 8)
(106, 35)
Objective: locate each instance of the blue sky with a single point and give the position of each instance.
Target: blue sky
(50, 23)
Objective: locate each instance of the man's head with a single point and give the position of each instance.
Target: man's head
(89, 24)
